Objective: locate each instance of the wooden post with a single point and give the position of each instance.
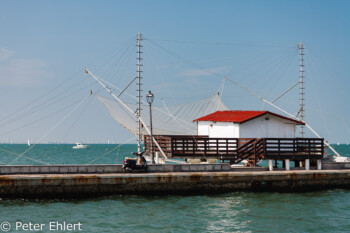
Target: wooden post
(254, 152)
(193, 146)
(270, 165)
(226, 146)
(287, 164)
(157, 157)
(217, 146)
(172, 146)
(279, 147)
(307, 164)
(294, 142)
(319, 164)
(184, 145)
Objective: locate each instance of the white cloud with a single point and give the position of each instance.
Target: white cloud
(202, 72)
(17, 72)
(5, 54)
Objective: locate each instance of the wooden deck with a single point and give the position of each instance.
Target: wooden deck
(235, 150)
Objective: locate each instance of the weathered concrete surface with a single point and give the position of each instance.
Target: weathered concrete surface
(250, 169)
(107, 168)
(213, 167)
(184, 183)
(60, 169)
(335, 165)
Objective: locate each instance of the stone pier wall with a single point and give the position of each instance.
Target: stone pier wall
(183, 183)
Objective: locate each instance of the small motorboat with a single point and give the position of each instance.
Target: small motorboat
(80, 146)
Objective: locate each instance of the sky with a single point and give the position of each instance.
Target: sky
(188, 49)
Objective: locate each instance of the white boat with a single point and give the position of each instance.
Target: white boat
(80, 146)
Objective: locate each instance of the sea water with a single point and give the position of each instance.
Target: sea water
(321, 211)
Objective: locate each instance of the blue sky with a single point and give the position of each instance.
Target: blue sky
(44, 46)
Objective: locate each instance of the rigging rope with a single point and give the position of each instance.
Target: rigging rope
(281, 74)
(318, 100)
(35, 160)
(107, 153)
(285, 92)
(155, 107)
(221, 90)
(160, 74)
(52, 101)
(264, 70)
(273, 105)
(40, 97)
(218, 43)
(173, 117)
(52, 129)
(76, 120)
(127, 108)
(38, 120)
(333, 75)
(237, 84)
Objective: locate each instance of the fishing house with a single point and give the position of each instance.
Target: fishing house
(243, 136)
(246, 124)
(206, 129)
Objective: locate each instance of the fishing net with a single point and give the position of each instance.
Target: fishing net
(167, 120)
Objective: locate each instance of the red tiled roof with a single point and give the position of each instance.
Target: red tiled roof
(240, 116)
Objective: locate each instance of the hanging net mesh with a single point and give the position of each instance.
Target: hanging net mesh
(167, 120)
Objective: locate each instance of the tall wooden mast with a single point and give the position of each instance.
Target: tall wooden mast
(302, 88)
(138, 111)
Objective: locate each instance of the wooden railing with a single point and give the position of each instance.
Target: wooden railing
(252, 150)
(294, 148)
(163, 141)
(235, 150)
(203, 146)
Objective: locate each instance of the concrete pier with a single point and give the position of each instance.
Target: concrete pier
(183, 183)
(108, 168)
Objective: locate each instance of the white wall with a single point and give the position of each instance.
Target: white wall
(275, 127)
(218, 129)
(203, 128)
(256, 128)
(223, 130)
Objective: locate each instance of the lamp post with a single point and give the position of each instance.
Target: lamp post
(150, 98)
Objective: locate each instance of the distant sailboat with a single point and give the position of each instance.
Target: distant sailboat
(28, 142)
